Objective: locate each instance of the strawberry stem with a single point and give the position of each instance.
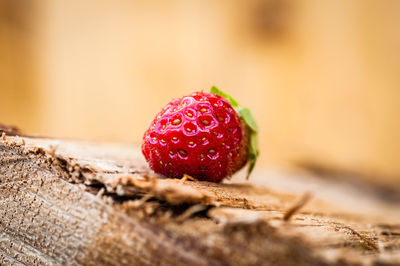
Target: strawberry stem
(246, 115)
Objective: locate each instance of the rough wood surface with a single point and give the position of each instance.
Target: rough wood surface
(76, 203)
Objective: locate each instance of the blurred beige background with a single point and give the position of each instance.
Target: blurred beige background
(322, 77)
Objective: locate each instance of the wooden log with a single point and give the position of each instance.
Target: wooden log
(66, 202)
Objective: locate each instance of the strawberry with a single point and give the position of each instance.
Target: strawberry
(205, 135)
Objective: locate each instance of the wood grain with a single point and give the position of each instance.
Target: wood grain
(66, 202)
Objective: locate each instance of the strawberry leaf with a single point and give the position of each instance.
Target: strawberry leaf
(245, 113)
(232, 101)
(253, 152)
(246, 116)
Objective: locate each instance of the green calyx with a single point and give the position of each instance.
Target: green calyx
(247, 117)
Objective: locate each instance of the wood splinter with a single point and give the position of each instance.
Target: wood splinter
(297, 206)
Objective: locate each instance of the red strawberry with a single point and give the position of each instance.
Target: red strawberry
(205, 135)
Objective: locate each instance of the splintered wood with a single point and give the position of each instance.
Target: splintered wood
(76, 203)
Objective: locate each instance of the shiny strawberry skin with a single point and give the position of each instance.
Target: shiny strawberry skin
(200, 135)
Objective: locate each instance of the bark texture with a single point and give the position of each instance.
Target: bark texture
(76, 203)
